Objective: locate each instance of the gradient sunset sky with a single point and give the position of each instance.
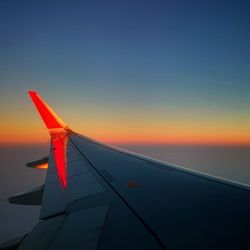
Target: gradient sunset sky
(127, 71)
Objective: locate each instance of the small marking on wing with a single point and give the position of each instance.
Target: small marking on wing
(133, 184)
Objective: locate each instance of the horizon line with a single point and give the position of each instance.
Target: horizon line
(136, 143)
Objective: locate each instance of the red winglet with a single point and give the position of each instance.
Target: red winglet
(50, 118)
(58, 131)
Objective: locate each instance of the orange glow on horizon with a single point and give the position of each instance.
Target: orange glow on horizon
(174, 140)
(41, 137)
(137, 128)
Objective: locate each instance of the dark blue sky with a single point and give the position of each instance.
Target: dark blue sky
(129, 55)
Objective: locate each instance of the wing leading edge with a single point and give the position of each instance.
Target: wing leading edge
(99, 197)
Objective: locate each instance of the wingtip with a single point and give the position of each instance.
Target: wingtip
(50, 118)
(32, 92)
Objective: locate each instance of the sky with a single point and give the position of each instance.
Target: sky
(142, 72)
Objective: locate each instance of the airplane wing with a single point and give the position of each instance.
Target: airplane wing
(100, 197)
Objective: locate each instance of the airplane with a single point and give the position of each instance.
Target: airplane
(98, 196)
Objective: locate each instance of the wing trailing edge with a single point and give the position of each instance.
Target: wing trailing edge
(31, 197)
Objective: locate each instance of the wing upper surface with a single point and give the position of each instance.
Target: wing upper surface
(73, 187)
(85, 213)
(186, 211)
